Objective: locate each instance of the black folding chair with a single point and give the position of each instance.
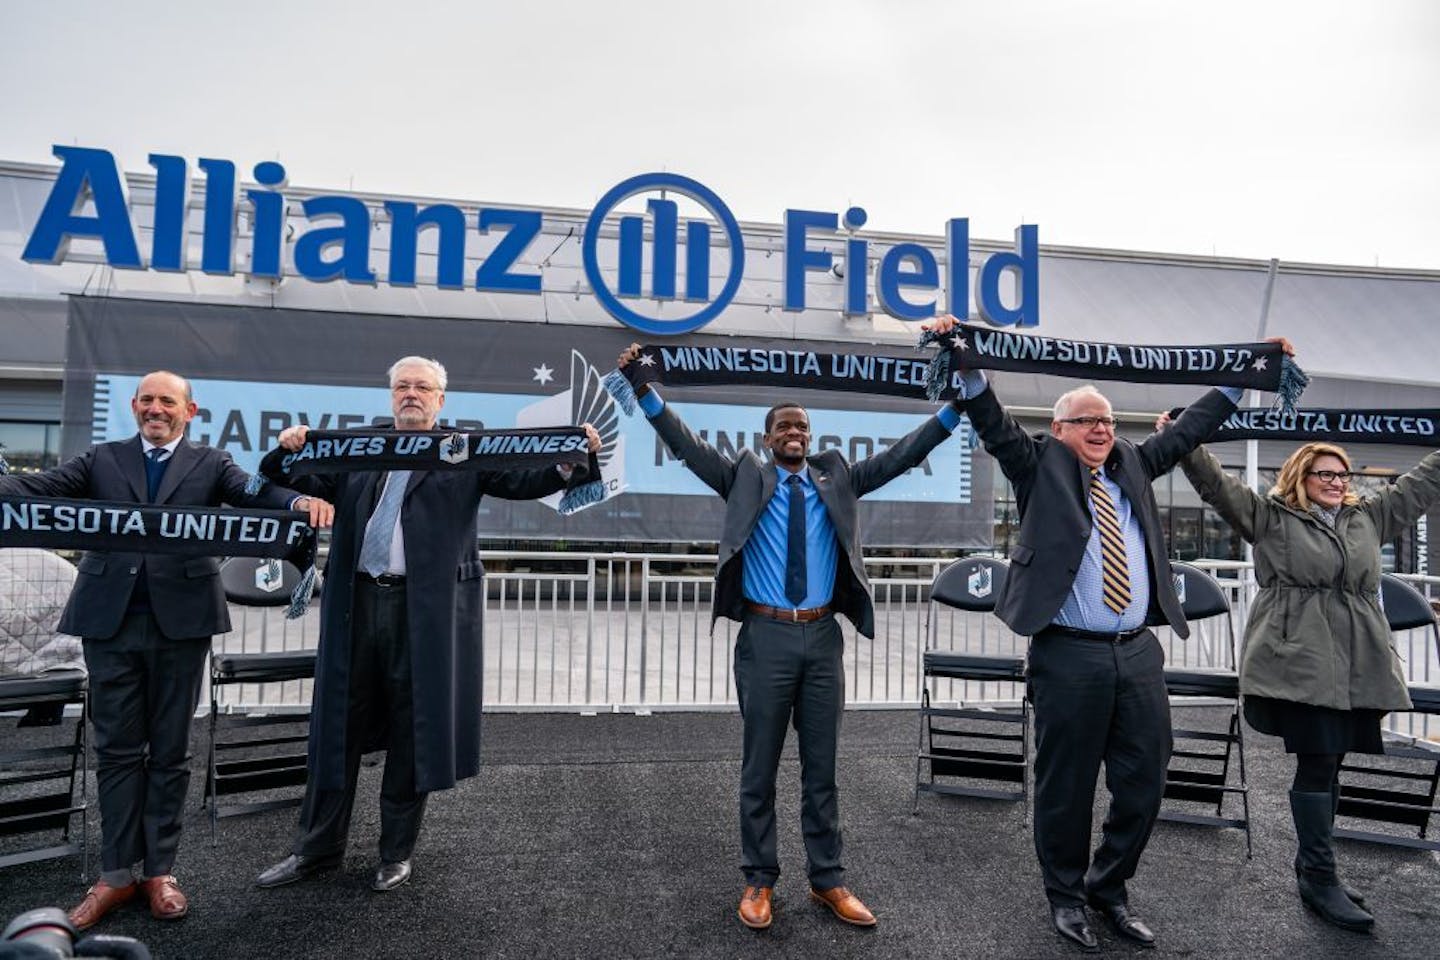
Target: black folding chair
(1402, 793)
(990, 749)
(29, 809)
(1199, 773)
(252, 763)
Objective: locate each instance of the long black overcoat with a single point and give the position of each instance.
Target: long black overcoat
(444, 603)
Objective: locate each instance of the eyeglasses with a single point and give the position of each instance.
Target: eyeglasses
(1329, 476)
(1089, 423)
(405, 386)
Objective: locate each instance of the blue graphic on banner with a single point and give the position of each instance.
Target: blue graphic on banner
(245, 418)
(649, 467)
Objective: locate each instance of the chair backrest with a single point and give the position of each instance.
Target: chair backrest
(970, 583)
(258, 582)
(1201, 596)
(1405, 607)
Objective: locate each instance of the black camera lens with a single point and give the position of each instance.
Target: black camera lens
(46, 927)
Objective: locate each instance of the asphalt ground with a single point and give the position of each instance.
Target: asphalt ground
(615, 836)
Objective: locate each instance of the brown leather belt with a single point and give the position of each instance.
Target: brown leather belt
(788, 614)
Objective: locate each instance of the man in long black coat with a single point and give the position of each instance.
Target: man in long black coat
(146, 621)
(400, 635)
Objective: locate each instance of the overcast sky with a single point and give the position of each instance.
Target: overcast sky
(1307, 130)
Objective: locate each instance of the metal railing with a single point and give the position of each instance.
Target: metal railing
(602, 632)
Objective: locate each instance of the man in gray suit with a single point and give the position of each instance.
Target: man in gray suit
(1087, 576)
(146, 621)
(790, 558)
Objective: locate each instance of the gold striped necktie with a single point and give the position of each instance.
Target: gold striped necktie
(1114, 567)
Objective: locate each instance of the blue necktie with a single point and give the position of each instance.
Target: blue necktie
(795, 552)
(154, 470)
(380, 531)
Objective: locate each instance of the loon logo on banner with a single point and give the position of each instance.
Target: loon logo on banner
(585, 401)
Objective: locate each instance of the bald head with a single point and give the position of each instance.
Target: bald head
(163, 406)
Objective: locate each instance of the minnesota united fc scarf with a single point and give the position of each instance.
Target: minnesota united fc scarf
(757, 366)
(1261, 366)
(339, 451)
(62, 524)
(1420, 428)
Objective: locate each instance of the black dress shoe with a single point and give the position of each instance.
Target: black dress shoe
(1125, 923)
(1072, 924)
(296, 867)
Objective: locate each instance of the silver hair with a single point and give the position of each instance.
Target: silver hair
(435, 367)
(1067, 400)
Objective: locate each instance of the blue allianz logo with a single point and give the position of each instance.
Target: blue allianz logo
(329, 238)
(665, 249)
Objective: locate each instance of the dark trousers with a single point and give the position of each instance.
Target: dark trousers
(380, 711)
(1096, 702)
(143, 690)
(790, 673)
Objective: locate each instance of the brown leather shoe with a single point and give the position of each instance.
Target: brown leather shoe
(99, 900)
(755, 908)
(844, 905)
(166, 900)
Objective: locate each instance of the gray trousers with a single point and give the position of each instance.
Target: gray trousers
(1095, 703)
(790, 673)
(144, 688)
(380, 711)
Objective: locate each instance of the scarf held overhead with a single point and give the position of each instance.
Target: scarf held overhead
(1419, 428)
(61, 524)
(1260, 366)
(683, 366)
(523, 448)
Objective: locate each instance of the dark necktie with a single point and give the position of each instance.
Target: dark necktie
(154, 470)
(795, 552)
(1113, 564)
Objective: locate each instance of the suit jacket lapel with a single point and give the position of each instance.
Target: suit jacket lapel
(132, 467)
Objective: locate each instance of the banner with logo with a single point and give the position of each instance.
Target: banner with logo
(256, 371)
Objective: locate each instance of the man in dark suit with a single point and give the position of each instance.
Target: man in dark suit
(146, 621)
(790, 558)
(400, 635)
(1088, 575)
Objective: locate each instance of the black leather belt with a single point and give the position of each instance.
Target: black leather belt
(384, 580)
(1056, 630)
(788, 614)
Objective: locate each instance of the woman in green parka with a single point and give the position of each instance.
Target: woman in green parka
(1318, 669)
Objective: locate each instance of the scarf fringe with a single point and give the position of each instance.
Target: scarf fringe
(4, 466)
(1293, 382)
(619, 388)
(585, 495)
(937, 372)
(300, 596)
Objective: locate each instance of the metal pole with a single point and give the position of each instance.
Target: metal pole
(1252, 447)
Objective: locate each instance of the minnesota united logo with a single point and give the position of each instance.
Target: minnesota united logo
(455, 448)
(980, 583)
(585, 401)
(269, 576)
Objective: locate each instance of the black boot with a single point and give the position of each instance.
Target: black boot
(1314, 815)
(1356, 897)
